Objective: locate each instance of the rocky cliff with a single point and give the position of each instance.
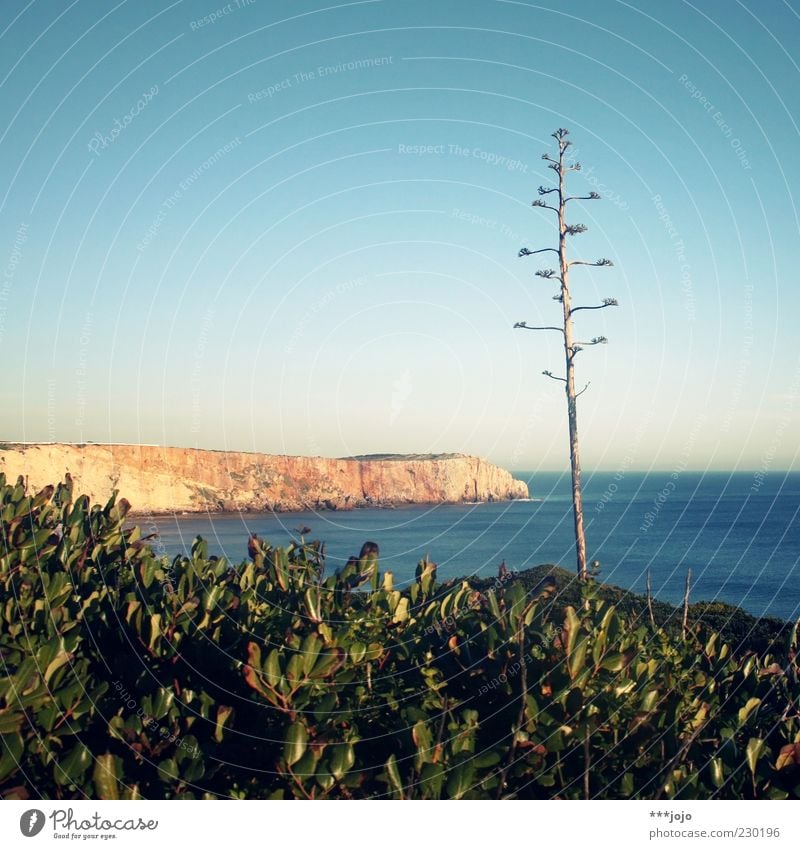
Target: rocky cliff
(166, 480)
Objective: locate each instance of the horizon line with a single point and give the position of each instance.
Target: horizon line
(520, 470)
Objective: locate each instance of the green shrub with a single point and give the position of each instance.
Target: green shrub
(128, 675)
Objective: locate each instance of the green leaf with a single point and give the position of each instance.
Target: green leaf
(401, 611)
(613, 662)
(306, 766)
(70, 769)
(11, 749)
(312, 598)
(755, 748)
(199, 548)
(294, 668)
(328, 662)
(432, 780)
(777, 793)
(393, 777)
(546, 779)
(10, 721)
(494, 607)
(745, 712)
(423, 740)
(627, 784)
(106, 776)
(324, 707)
(212, 596)
(717, 772)
(223, 715)
(155, 630)
(295, 743)
(461, 780)
(357, 652)
(272, 668)
(164, 698)
(649, 700)
(310, 651)
(193, 767)
(599, 646)
(148, 571)
(572, 625)
(281, 565)
(577, 656)
(325, 780)
(168, 770)
(342, 759)
(488, 758)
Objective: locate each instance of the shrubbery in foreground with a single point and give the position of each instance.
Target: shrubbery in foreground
(125, 675)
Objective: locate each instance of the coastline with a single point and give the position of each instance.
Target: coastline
(314, 509)
(164, 480)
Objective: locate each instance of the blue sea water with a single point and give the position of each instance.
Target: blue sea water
(738, 532)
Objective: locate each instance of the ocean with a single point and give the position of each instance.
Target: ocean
(738, 532)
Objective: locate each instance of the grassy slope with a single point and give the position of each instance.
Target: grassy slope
(741, 630)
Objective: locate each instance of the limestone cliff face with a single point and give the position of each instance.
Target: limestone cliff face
(166, 480)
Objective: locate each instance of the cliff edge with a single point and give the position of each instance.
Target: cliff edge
(166, 480)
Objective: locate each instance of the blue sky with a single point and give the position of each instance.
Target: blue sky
(293, 227)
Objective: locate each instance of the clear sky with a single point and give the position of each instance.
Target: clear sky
(293, 227)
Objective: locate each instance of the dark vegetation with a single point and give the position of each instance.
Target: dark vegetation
(127, 675)
(740, 629)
